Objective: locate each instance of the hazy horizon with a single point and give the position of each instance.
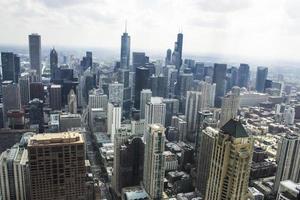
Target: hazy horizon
(248, 29)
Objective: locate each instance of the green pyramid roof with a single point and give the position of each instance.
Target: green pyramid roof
(235, 129)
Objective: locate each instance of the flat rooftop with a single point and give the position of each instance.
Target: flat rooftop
(55, 139)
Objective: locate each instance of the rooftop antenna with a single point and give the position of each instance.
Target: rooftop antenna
(126, 26)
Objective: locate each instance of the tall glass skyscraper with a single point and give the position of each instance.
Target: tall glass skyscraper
(243, 75)
(35, 53)
(219, 78)
(125, 50)
(53, 63)
(261, 76)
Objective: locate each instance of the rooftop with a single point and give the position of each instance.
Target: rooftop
(235, 129)
(55, 138)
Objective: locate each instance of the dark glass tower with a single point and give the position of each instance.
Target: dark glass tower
(244, 75)
(36, 113)
(8, 66)
(131, 163)
(138, 60)
(177, 53)
(141, 82)
(17, 68)
(168, 57)
(219, 78)
(53, 63)
(35, 53)
(261, 76)
(125, 50)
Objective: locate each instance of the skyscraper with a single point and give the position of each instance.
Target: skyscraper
(230, 106)
(37, 91)
(243, 75)
(55, 97)
(98, 100)
(288, 159)
(25, 89)
(128, 160)
(9, 179)
(11, 97)
(146, 95)
(155, 112)
(138, 60)
(172, 109)
(72, 102)
(159, 86)
(123, 77)
(114, 115)
(125, 50)
(116, 93)
(230, 163)
(194, 103)
(8, 66)
(168, 59)
(35, 53)
(209, 91)
(154, 161)
(206, 145)
(141, 82)
(289, 115)
(36, 114)
(53, 64)
(177, 53)
(57, 166)
(219, 78)
(261, 76)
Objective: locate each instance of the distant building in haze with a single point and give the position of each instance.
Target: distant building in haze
(243, 75)
(53, 64)
(261, 76)
(219, 78)
(35, 53)
(10, 66)
(141, 82)
(125, 50)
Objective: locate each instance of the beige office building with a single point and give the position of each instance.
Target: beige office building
(57, 166)
(230, 163)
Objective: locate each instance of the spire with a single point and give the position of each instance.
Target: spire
(125, 26)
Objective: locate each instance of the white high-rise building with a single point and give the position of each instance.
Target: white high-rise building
(138, 127)
(98, 100)
(230, 106)
(209, 92)
(155, 112)
(289, 115)
(114, 114)
(115, 91)
(154, 161)
(180, 124)
(288, 159)
(146, 95)
(12, 176)
(195, 101)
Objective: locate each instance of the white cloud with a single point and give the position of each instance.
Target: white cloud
(259, 29)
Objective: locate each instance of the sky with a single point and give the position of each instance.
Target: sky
(262, 29)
